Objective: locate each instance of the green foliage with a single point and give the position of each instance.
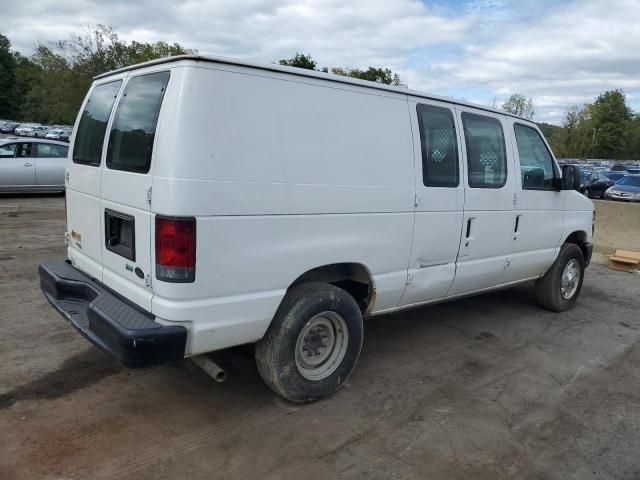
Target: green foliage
(7, 79)
(300, 60)
(49, 86)
(606, 128)
(548, 130)
(519, 105)
(372, 74)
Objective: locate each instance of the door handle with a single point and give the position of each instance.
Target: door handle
(468, 235)
(516, 230)
(27, 164)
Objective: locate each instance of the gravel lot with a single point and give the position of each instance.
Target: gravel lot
(485, 388)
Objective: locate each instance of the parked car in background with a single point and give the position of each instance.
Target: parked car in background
(585, 173)
(32, 166)
(596, 184)
(65, 135)
(627, 189)
(35, 131)
(30, 130)
(54, 134)
(615, 176)
(8, 127)
(619, 167)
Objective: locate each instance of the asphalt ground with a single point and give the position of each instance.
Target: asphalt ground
(488, 387)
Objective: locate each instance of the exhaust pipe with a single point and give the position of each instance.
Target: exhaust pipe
(210, 367)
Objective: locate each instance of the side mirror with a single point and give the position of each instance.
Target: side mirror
(570, 178)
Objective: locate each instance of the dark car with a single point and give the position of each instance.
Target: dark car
(64, 136)
(627, 189)
(619, 167)
(597, 184)
(615, 176)
(8, 127)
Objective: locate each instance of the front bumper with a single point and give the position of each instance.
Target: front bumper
(117, 326)
(621, 198)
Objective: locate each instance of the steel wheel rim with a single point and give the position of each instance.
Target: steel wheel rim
(570, 279)
(321, 346)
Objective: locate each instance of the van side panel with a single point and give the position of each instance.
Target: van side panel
(283, 175)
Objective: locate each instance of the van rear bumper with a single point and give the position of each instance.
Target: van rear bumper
(117, 326)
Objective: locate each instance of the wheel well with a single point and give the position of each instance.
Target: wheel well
(352, 277)
(580, 239)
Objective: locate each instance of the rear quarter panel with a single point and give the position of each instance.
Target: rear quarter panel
(284, 174)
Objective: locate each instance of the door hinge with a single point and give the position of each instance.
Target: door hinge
(409, 279)
(66, 176)
(149, 195)
(515, 198)
(507, 263)
(416, 200)
(67, 239)
(147, 280)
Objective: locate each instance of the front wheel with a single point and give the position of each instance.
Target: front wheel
(560, 287)
(312, 344)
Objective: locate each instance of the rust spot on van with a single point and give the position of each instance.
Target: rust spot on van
(372, 302)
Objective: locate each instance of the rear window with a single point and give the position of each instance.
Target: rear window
(87, 148)
(134, 126)
(46, 150)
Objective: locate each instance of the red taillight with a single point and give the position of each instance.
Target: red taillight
(175, 249)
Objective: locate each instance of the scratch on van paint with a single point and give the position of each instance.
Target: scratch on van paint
(425, 264)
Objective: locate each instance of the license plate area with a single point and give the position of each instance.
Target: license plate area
(120, 234)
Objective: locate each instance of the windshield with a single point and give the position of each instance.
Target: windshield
(632, 181)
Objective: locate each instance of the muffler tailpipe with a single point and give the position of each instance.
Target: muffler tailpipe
(210, 367)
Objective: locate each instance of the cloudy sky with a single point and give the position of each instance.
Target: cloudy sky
(561, 53)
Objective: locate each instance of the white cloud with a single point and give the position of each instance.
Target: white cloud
(561, 54)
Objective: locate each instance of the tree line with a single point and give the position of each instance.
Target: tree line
(49, 87)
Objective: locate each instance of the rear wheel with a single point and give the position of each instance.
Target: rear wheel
(560, 287)
(313, 343)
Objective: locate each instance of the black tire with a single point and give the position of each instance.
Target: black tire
(276, 351)
(548, 288)
(588, 192)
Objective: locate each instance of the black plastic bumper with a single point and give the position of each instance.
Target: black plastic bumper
(109, 321)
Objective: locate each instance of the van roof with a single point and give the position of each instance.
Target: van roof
(307, 73)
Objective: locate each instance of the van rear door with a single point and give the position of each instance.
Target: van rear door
(126, 188)
(84, 174)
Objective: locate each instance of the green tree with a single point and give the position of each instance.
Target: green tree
(300, 60)
(51, 84)
(372, 74)
(7, 79)
(611, 122)
(519, 105)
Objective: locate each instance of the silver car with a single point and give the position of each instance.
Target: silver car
(32, 165)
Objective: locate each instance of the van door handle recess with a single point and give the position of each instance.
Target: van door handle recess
(468, 235)
(27, 164)
(516, 230)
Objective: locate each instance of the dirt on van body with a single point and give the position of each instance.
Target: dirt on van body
(486, 388)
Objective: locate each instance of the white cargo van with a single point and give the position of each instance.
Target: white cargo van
(214, 202)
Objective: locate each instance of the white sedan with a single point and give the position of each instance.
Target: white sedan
(32, 166)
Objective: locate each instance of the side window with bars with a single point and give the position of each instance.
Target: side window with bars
(439, 146)
(486, 151)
